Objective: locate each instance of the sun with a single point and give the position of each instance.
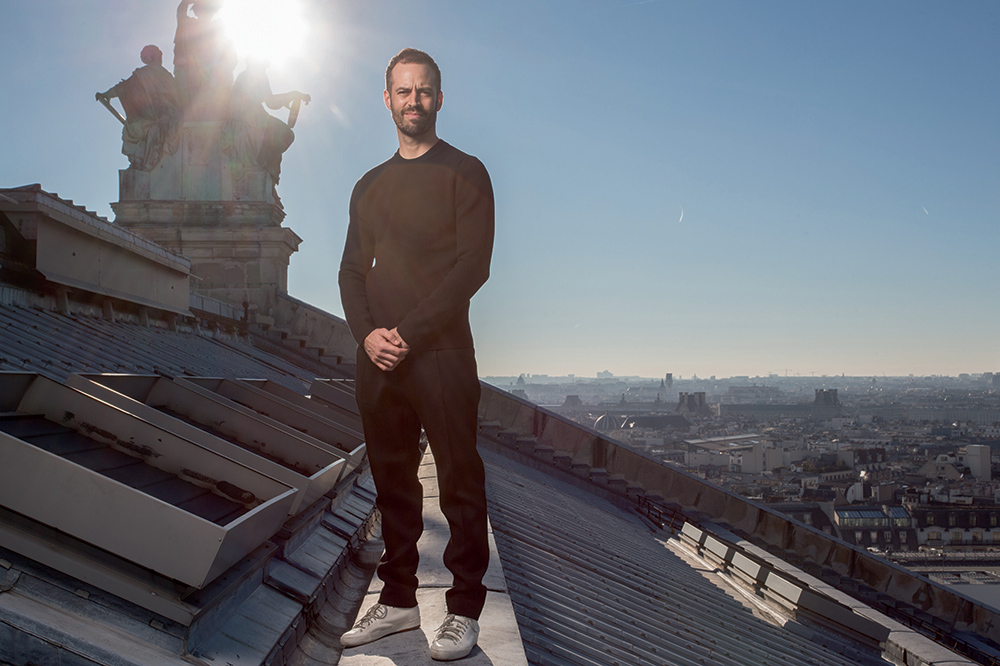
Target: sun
(274, 30)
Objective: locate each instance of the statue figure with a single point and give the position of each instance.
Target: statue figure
(152, 111)
(204, 60)
(252, 137)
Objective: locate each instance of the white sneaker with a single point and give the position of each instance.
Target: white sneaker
(380, 621)
(455, 638)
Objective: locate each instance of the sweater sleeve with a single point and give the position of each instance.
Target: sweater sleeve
(474, 229)
(359, 256)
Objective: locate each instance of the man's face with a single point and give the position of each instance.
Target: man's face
(414, 99)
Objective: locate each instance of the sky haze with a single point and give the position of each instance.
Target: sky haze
(710, 188)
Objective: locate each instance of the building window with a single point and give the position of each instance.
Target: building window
(930, 519)
(956, 536)
(994, 520)
(887, 537)
(977, 537)
(952, 520)
(874, 537)
(973, 520)
(996, 537)
(859, 537)
(934, 535)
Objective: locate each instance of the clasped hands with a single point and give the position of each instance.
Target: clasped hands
(386, 348)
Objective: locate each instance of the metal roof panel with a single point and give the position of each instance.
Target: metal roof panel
(592, 583)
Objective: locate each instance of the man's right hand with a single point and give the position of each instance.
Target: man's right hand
(385, 348)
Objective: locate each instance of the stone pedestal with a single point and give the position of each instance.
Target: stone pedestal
(230, 229)
(197, 172)
(233, 265)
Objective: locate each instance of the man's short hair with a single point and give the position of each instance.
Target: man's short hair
(413, 57)
(150, 54)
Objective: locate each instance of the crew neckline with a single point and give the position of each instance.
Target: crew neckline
(430, 150)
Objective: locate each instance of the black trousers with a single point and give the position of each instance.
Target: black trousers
(438, 390)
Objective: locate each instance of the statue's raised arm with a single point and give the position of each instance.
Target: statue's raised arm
(204, 60)
(293, 100)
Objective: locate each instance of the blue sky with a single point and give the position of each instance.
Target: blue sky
(710, 188)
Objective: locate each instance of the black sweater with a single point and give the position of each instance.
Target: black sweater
(418, 247)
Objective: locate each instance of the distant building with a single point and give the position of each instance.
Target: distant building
(976, 457)
(944, 467)
(826, 397)
(880, 527)
(971, 525)
(954, 466)
(750, 395)
(809, 513)
(657, 421)
(607, 422)
(693, 403)
(825, 406)
(871, 463)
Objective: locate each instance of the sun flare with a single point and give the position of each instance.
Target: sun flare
(274, 30)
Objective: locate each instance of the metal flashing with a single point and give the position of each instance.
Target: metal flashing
(32, 199)
(350, 421)
(96, 567)
(95, 582)
(94, 256)
(105, 476)
(171, 405)
(55, 344)
(338, 393)
(59, 278)
(305, 421)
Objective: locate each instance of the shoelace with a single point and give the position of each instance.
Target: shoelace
(453, 628)
(376, 612)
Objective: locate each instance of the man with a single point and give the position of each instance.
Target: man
(418, 248)
(152, 111)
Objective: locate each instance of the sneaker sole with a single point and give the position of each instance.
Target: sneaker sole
(452, 657)
(365, 640)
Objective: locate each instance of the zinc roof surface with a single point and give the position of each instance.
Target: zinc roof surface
(594, 584)
(306, 570)
(54, 344)
(590, 583)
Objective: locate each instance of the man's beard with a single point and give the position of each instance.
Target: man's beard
(419, 127)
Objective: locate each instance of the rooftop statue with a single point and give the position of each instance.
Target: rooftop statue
(210, 139)
(252, 137)
(204, 60)
(152, 111)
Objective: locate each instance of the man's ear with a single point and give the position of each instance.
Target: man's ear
(440, 99)
(385, 98)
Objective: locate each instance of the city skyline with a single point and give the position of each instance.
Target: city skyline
(605, 374)
(709, 189)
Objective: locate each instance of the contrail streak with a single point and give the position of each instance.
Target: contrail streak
(633, 4)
